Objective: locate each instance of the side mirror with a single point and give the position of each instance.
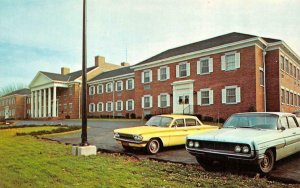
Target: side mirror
(282, 128)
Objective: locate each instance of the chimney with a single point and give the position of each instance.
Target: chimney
(124, 64)
(99, 60)
(65, 70)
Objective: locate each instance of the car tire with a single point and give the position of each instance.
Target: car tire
(266, 164)
(153, 146)
(207, 164)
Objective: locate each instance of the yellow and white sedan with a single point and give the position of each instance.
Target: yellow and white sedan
(161, 131)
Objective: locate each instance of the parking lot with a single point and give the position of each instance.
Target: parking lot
(100, 133)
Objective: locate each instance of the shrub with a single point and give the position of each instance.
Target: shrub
(199, 116)
(208, 118)
(132, 116)
(148, 116)
(221, 120)
(252, 109)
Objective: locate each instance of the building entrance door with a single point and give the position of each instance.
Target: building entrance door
(183, 100)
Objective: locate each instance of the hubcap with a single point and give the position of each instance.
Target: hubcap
(154, 146)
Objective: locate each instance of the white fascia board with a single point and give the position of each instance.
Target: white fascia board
(124, 76)
(284, 48)
(205, 52)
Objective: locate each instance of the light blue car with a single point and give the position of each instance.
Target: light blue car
(255, 138)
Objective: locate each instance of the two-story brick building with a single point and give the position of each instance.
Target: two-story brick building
(215, 77)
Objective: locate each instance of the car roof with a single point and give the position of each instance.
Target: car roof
(178, 116)
(271, 113)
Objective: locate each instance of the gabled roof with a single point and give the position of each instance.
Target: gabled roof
(205, 44)
(68, 77)
(24, 91)
(113, 73)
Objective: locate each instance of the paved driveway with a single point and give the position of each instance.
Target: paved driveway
(100, 133)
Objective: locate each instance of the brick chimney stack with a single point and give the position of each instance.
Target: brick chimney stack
(65, 70)
(99, 61)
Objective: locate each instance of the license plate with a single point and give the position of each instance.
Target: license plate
(125, 143)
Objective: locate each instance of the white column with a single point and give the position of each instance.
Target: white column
(35, 104)
(49, 101)
(31, 105)
(40, 103)
(45, 104)
(54, 102)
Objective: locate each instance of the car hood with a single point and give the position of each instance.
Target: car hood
(236, 135)
(139, 130)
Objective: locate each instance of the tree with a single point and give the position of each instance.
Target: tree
(11, 88)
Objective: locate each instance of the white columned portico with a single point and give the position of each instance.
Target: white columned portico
(35, 104)
(40, 103)
(31, 106)
(49, 102)
(54, 102)
(45, 104)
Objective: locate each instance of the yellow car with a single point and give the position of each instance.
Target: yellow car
(161, 131)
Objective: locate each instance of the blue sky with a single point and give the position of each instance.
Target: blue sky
(46, 34)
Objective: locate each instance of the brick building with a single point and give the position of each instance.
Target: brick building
(14, 105)
(215, 77)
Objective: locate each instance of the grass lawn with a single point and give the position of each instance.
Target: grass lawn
(30, 162)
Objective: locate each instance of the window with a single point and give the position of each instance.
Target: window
(130, 105)
(100, 89)
(282, 96)
(70, 107)
(230, 61)
(291, 98)
(191, 122)
(292, 123)
(287, 65)
(295, 72)
(70, 91)
(163, 100)
(119, 86)
(231, 95)
(205, 97)
(282, 62)
(129, 84)
(92, 90)
(284, 122)
(261, 76)
(182, 70)
(65, 108)
(298, 74)
(287, 97)
(109, 106)
(100, 107)
(179, 123)
(147, 76)
(91, 107)
(163, 73)
(298, 100)
(119, 105)
(295, 100)
(291, 69)
(109, 87)
(205, 66)
(147, 101)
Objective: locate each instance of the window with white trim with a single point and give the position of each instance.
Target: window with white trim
(130, 105)
(230, 61)
(282, 96)
(92, 90)
(147, 101)
(261, 77)
(287, 65)
(130, 84)
(205, 66)
(91, 107)
(295, 72)
(119, 105)
(100, 89)
(295, 99)
(147, 76)
(109, 106)
(281, 62)
(100, 107)
(163, 73)
(287, 99)
(182, 70)
(291, 98)
(163, 100)
(109, 87)
(291, 69)
(231, 95)
(119, 86)
(205, 97)
(70, 107)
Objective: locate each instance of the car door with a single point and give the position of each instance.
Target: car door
(179, 132)
(290, 136)
(294, 128)
(192, 126)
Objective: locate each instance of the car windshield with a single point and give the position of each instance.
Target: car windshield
(256, 121)
(159, 121)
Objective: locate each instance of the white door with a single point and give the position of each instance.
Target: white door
(183, 101)
(6, 112)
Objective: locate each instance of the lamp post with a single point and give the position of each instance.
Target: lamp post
(84, 141)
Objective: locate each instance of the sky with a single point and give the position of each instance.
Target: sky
(45, 35)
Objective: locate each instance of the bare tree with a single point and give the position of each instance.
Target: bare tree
(11, 88)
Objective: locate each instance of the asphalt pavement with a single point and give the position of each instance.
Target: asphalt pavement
(100, 133)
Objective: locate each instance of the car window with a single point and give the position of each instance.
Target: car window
(284, 123)
(179, 123)
(191, 122)
(292, 123)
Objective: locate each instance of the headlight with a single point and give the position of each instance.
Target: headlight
(138, 137)
(191, 144)
(245, 149)
(117, 135)
(237, 149)
(196, 144)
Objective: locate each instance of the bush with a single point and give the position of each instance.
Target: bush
(127, 115)
(67, 117)
(208, 118)
(251, 109)
(132, 116)
(148, 116)
(199, 116)
(221, 120)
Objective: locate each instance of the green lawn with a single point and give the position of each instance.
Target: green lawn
(29, 162)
